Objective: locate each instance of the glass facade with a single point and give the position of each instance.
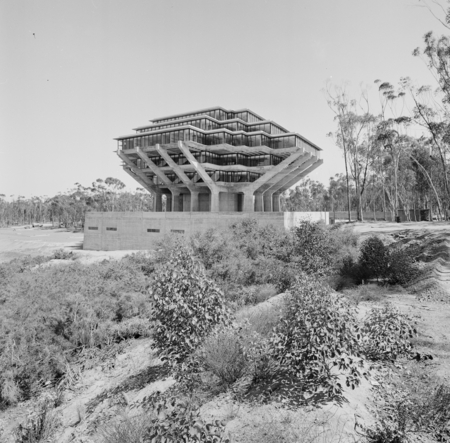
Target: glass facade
(215, 138)
(218, 114)
(210, 125)
(216, 159)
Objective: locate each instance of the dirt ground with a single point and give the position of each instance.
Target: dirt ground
(24, 240)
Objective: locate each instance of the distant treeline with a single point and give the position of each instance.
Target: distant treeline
(69, 209)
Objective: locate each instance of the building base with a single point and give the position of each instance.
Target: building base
(112, 231)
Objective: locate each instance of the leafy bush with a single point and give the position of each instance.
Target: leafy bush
(178, 419)
(387, 334)
(402, 265)
(186, 306)
(313, 248)
(167, 419)
(374, 258)
(318, 332)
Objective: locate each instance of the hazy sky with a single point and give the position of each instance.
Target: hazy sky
(74, 74)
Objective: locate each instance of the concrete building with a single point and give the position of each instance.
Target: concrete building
(217, 160)
(210, 168)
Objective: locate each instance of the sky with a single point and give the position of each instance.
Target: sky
(75, 74)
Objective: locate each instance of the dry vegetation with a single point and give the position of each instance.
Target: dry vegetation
(192, 343)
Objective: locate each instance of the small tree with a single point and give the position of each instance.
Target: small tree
(374, 258)
(186, 306)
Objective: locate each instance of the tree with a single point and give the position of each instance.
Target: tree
(355, 135)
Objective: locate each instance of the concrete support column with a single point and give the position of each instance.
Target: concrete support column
(194, 201)
(268, 206)
(214, 201)
(176, 206)
(276, 202)
(157, 202)
(168, 202)
(259, 203)
(248, 205)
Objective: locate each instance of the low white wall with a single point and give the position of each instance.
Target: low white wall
(292, 219)
(113, 231)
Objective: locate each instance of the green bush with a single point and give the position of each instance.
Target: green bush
(186, 306)
(386, 334)
(318, 332)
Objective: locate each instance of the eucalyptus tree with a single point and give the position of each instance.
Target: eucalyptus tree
(356, 136)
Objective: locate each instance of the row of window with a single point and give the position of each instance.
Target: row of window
(177, 231)
(218, 114)
(217, 159)
(208, 125)
(212, 139)
(216, 176)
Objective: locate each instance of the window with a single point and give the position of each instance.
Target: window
(111, 229)
(93, 228)
(152, 230)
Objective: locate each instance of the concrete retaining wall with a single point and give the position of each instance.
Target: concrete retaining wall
(111, 231)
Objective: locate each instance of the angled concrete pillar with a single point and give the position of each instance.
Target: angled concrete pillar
(302, 173)
(263, 183)
(131, 169)
(214, 207)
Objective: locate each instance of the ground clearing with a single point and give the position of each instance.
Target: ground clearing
(20, 241)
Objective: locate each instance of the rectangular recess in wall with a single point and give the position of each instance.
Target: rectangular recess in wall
(177, 231)
(93, 228)
(111, 229)
(152, 230)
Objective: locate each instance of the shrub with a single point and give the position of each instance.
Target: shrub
(48, 314)
(402, 268)
(126, 430)
(62, 254)
(373, 259)
(178, 419)
(313, 247)
(42, 422)
(186, 306)
(318, 331)
(223, 354)
(387, 334)
(412, 403)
